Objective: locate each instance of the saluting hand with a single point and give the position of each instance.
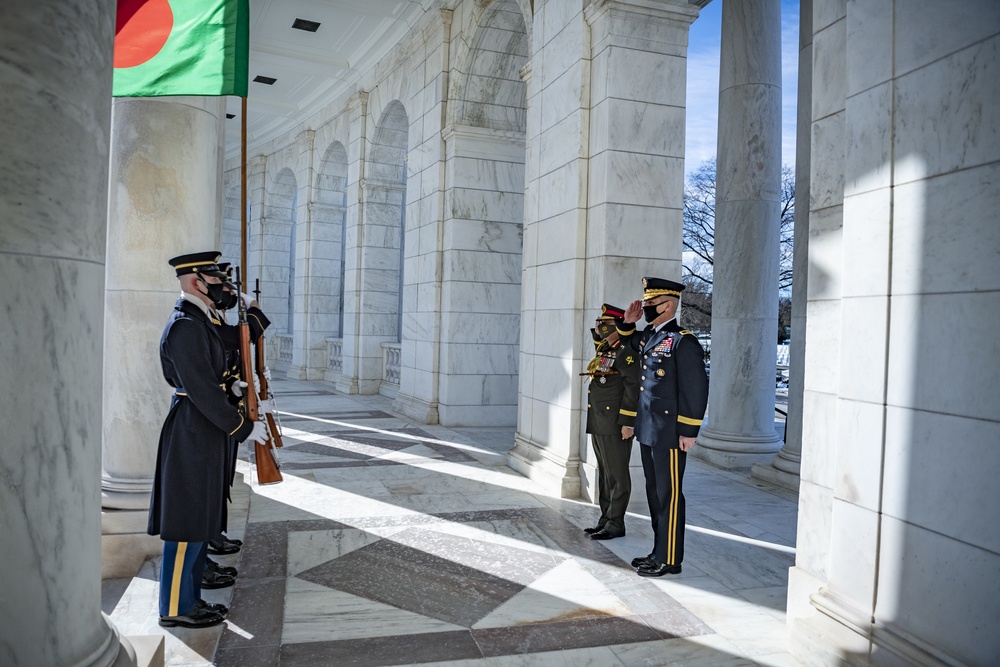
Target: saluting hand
(633, 312)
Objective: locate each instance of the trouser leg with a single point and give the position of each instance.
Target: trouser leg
(652, 496)
(603, 490)
(180, 577)
(668, 529)
(615, 469)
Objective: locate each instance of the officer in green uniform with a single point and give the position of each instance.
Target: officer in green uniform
(673, 395)
(611, 411)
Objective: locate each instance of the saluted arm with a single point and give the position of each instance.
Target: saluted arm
(692, 384)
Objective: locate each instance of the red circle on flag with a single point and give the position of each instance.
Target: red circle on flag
(141, 29)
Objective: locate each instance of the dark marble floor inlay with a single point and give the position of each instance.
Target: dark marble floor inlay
(461, 588)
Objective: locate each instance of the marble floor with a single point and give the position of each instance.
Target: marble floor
(395, 543)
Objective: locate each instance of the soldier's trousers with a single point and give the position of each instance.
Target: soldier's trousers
(614, 484)
(181, 570)
(664, 471)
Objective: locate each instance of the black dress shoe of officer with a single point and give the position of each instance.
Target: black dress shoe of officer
(641, 560)
(217, 607)
(595, 529)
(606, 534)
(212, 580)
(218, 546)
(655, 569)
(196, 618)
(212, 566)
(232, 540)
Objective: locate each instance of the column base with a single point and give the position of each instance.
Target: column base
(766, 472)
(125, 546)
(735, 451)
(296, 372)
(416, 408)
(346, 385)
(534, 461)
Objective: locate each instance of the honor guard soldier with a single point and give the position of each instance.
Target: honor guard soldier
(611, 412)
(187, 505)
(673, 395)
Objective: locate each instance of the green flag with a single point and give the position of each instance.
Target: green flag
(181, 47)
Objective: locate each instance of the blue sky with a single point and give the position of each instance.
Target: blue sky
(703, 83)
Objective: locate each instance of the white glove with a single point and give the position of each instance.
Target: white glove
(237, 388)
(265, 406)
(258, 434)
(247, 299)
(267, 373)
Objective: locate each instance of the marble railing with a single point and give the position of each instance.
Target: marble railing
(334, 354)
(284, 347)
(390, 363)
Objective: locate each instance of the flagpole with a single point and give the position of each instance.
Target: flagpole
(243, 192)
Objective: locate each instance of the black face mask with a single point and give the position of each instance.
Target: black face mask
(649, 312)
(229, 301)
(215, 293)
(596, 336)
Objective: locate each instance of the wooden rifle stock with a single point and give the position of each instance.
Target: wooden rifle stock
(268, 470)
(265, 393)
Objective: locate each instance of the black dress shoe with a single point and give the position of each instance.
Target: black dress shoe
(232, 540)
(218, 546)
(591, 531)
(196, 618)
(217, 607)
(606, 534)
(212, 580)
(654, 569)
(639, 560)
(212, 566)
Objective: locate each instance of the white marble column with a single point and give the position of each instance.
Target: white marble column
(783, 469)
(739, 428)
(603, 205)
(164, 200)
(55, 74)
(351, 356)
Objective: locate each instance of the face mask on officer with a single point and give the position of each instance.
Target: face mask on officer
(215, 292)
(650, 312)
(229, 300)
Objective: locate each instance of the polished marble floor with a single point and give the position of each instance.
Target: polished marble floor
(395, 543)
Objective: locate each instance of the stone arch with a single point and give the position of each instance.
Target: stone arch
(489, 91)
(385, 220)
(329, 222)
(277, 251)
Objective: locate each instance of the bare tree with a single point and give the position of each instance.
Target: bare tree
(699, 228)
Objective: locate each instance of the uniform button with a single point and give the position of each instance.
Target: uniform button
(607, 407)
(666, 412)
(643, 377)
(642, 389)
(645, 356)
(588, 405)
(644, 367)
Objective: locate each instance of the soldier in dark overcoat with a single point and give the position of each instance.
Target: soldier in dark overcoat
(611, 411)
(187, 506)
(673, 395)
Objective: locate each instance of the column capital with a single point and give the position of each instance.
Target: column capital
(615, 20)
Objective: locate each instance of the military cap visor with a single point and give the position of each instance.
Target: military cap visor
(204, 263)
(656, 287)
(609, 312)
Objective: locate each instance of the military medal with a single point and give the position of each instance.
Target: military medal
(603, 379)
(660, 372)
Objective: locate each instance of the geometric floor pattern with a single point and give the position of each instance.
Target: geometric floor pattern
(394, 543)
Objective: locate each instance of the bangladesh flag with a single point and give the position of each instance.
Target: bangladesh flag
(181, 47)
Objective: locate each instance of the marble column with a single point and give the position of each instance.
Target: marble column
(164, 200)
(739, 428)
(56, 108)
(603, 205)
(783, 469)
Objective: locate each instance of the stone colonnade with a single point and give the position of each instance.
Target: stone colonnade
(898, 545)
(56, 107)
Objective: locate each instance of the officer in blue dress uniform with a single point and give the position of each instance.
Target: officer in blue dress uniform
(187, 504)
(611, 411)
(673, 395)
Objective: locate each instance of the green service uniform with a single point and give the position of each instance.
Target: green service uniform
(611, 404)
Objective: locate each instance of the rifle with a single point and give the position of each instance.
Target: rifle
(268, 468)
(265, 392)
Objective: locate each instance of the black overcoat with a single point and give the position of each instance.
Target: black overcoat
(192, 471)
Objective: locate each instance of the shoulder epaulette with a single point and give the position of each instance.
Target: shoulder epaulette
(685, 331)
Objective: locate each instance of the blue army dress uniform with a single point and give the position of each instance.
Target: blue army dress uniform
(673, 396)
(187, 505)
(611, 404)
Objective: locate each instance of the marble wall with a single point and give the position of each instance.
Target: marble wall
(900, 419)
